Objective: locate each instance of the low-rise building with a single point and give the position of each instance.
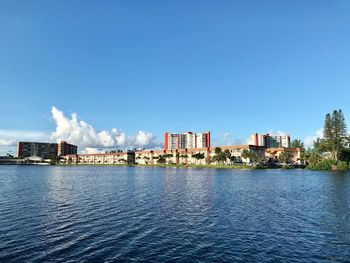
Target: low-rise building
(295, 153)
(101, 158)
(196, 156)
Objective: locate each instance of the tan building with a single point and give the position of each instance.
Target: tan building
(101, 158)
(296, 153)
(197, 156)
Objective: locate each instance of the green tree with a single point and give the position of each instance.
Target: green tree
(321, 145)
(253, 157)
(345, 155)
(327, 129)
(233, 159)
(245, 154)
(227, 155)
(201, 156)
(302, 157)
(297, 144)
(312, 157)
(218, 150)
(285, 157)
(334, 134)
(198, 156)
(55, 160)
(220, 157)
(161, 159)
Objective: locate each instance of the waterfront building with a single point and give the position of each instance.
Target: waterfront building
(269, 141)
(281, 141)
(187, 156)
(198, 156)
(186, 140)
(65, 148)
(40, 149)
(45, 150)
(101, 158)
(295, 153)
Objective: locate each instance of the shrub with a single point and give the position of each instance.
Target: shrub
(324, 164)
(342, 166)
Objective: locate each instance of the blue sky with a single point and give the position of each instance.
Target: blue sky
(232, 67)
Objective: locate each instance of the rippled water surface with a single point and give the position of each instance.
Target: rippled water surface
(113, 214)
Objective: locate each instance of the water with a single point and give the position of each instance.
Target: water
(113, 214)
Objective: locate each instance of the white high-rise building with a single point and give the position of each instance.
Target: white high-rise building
(282, 140)
(269, 141)
(187, 140)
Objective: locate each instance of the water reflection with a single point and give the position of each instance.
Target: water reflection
(102, 214)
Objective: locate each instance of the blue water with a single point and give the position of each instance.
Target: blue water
(114, 214)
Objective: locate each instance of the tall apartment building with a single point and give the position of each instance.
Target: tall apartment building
(187, 140)
(40, 149)
(45, 150)
(269, 141)
(65, 148)
(282, 140)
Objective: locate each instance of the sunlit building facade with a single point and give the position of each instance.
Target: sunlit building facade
(45, 150)
(186, 140)
(269, 141)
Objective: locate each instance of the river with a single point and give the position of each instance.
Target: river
(145, 214)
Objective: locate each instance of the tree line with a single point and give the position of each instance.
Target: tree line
(331, 152)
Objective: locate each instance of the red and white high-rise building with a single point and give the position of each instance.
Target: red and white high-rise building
(187, 140)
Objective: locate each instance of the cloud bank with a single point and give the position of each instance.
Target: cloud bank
(10, 137)
(226, 138)
(81, 133)
(4, 142)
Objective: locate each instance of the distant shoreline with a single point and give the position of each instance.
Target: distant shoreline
(196, 166)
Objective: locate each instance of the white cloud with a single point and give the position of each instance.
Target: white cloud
(9, 139)
(4, 142)
(12, 136)
(226, 138)
(226, 135)
(89, 150)
(309, 140)
(84, 135)
(143, 138)
(277, 133)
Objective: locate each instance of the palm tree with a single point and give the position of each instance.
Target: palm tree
(285, 157)
(227, 155)
(161, 159)
(218, 150)
(198, 156)
(246, 154)
(201, 156)
(297, 144)
(184, 156)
